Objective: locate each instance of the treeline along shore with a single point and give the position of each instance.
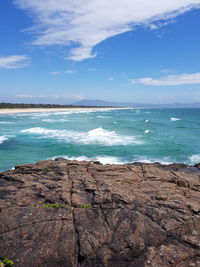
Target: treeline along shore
(22, 105)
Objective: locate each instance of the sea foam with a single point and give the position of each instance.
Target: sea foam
(175, 119)
(102, 159)
(3, 139)
(98, 136)
(194, 158)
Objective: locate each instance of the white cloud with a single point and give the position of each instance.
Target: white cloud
(86, 23)
(70, 71)
(171, 80)
(14, 62)
(24, 96)
(111, 78)
(63, 72)
(91, 69)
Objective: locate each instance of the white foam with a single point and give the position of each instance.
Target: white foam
(3, 139)
(147, 131)
(117, 160)
(165, 160)
(194, 158)
(58, 120)
(146, 121)
(175, 119)
(96, 136)
(102, 159)
(115, 122)
(100, 116)
(5, 122)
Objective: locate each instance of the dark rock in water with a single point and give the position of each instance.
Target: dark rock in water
(69, 213)
(197, 165)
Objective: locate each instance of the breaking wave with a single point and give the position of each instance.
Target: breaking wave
(3, 139)
(194, 158)
(102, 159)
(118, 160)
(98, 136)
(175, 119)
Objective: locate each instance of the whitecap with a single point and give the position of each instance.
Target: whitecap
(98, 136)
(115, 122)
(147, 131)
(3, 139)
(52, 120)
(194, 158)
(146, 121)
(5, 122)
(100, 117)
(175, 119)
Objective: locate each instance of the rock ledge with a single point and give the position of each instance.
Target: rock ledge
(69, 213)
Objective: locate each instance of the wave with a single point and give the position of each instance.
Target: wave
(5, 122)
(102, 159)
(175, 119)
(147, 131)
(98, 136)
(58, 120)
(165, 160)
(118, 160)
(3, 139)
(146, 121)
(194, 158)
(102, 117)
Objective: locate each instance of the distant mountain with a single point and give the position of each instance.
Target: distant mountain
(88, 102)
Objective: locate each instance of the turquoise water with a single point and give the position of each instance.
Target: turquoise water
(110, 136)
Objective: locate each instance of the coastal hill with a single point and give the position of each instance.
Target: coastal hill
(97, 102)
(61, 213)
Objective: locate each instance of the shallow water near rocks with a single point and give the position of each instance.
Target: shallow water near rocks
(109, 136)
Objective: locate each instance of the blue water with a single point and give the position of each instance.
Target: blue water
(110, 136)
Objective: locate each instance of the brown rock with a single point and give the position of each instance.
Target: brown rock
(68, 213)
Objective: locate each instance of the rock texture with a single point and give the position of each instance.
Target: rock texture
(106, 215)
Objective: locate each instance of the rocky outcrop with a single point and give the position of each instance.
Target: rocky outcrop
(68, 213)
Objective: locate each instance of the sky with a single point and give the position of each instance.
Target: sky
(64, 51)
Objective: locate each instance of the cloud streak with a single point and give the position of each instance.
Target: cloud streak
(171, 80)
(63, 72)
(85, 23)
(14, 62)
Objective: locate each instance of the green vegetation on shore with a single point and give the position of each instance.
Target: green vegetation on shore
(21, 105)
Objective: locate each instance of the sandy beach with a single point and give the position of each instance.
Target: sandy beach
(29, 110)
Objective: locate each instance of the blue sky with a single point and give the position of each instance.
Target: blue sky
(135, 51)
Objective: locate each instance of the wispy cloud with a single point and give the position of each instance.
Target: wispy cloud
(63, 72)
(171, 80)
(111, 78)
(70, 96)
(23, 96)
(91, 69)
(86, 23)
(14, 62)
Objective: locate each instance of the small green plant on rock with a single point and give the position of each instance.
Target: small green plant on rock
(85, 206)
(6, 263)
(54, 205)
(45, 169)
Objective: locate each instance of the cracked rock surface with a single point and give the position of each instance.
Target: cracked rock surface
(107, 215)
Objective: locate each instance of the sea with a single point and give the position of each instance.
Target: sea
(110, 136)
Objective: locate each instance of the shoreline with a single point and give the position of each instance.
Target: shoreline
(30, 110)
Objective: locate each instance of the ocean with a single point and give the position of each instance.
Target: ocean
(108, 136)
